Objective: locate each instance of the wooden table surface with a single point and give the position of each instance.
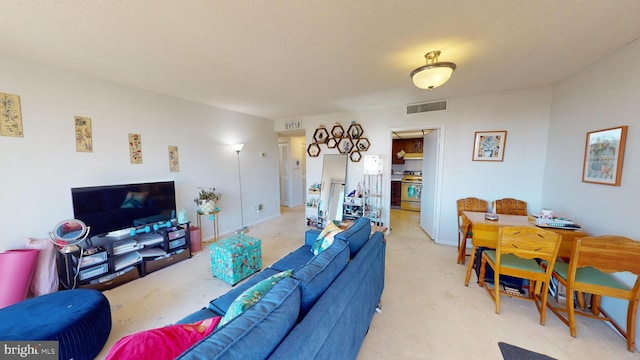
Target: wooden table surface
(485, 233)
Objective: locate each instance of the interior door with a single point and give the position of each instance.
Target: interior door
(285, 185)
(429, 176)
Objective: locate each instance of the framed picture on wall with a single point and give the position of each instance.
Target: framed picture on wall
(603, 156)
(489, 145)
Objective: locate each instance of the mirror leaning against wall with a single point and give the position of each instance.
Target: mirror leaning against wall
(334, 174)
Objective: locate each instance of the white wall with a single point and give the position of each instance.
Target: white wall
(523, 114)
(39, 169)
(602, 96)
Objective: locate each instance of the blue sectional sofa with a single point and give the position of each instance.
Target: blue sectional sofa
(322, 312)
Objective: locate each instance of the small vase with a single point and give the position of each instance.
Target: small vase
(206, 206)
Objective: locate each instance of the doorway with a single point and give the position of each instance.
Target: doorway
(423, 156)
(292, 161)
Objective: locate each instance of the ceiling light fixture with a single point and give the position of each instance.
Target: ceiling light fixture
(434, 73)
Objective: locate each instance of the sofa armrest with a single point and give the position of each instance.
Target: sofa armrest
(310, 236)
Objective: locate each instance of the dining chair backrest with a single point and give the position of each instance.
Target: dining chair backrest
(467, 204)
(518, 251)
(471, 204)
(528, 242)
(510, 206)
(608, 254)
(592, 260)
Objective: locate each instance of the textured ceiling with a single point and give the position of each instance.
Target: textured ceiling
(292, 58)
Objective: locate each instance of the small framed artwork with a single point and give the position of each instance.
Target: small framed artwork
(174, 161)
(135, 148)
(84, 135)
(10, 115)
(603, 156)
(489, 145)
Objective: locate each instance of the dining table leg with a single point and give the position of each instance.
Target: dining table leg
(470, 266)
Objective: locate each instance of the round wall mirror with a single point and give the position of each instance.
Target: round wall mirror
(70, 230)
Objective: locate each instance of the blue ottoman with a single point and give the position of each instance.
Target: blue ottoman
(80, 320)
(235, 258)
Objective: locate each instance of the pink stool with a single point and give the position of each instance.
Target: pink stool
(16, 270)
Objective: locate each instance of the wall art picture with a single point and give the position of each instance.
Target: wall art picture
(10, 115)
(489, 145)
(135, 148)
(174, 163)
(84, 136)
(603, 156)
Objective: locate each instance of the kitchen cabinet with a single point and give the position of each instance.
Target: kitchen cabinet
(396, 146)
(408, 145)
(396, 193)
(413, 145)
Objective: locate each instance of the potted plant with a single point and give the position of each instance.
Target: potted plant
(206, 200)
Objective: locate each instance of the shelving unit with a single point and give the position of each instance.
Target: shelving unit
(373, 198)
(352, 208)
(107, 262)
(311, 207)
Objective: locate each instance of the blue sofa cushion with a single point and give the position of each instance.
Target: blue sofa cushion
(356, 235)
(252, 295)
(220, 305)
(294, 260)
(257, 332)
(315, 277)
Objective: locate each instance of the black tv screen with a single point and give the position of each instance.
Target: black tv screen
(115, 207)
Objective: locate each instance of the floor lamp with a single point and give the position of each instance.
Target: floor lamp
(243, 229)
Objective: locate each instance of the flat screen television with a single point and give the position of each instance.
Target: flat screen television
(116, 207)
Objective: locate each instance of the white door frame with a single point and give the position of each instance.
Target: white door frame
(437, 197)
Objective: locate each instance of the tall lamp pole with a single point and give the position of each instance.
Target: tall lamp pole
(237, 148)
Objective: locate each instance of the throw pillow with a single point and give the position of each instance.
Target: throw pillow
(162, 343)
(325, 238)
(252, 295)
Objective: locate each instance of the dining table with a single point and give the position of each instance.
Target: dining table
(484, 233)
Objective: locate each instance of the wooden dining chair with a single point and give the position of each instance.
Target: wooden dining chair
(518, 250)
(467, 204)
(589, 271)
(510, 206)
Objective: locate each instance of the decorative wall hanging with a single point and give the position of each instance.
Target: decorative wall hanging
(346, 142)
(321, 135)
(10, 115)
(355, 156)
(337, 131)
(84, 135)
(345, 145)
(313, 150)
(603, 156)
(362, 144)
(174, 162)
(135, 148)
(489, 145)
(355, 130)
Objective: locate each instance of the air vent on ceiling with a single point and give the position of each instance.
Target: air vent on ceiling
(424, 107)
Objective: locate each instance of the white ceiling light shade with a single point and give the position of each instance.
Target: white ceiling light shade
(434, 73)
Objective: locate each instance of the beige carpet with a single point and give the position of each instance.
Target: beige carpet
(427, 312)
